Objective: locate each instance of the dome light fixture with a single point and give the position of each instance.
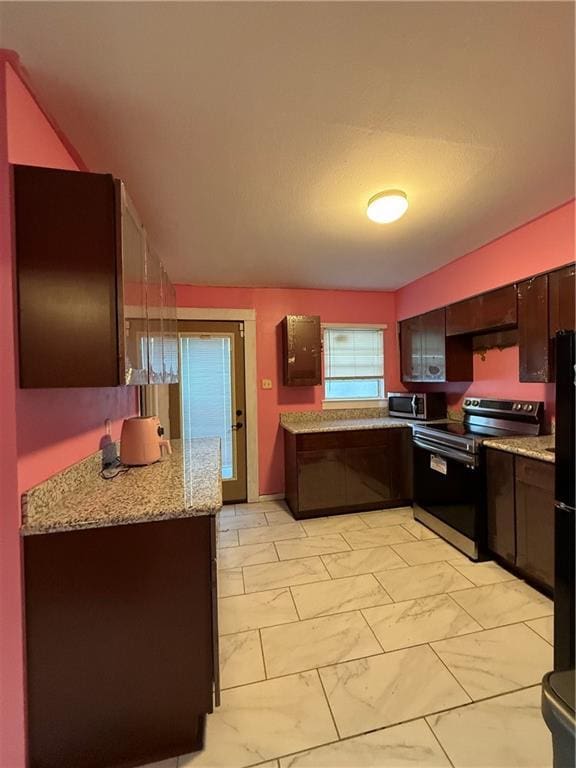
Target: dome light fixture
(386, 207)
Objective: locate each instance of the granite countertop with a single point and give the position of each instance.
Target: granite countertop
(533, 447)
(343, 425)
(184, 484)
(344, 420)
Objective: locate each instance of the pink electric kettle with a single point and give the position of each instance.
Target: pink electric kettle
(141, 441)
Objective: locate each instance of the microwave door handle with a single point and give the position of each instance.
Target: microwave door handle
(414, 406)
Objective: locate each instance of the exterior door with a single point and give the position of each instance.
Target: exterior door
(210, 399)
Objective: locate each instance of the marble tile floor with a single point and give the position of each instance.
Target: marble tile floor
(365, 641)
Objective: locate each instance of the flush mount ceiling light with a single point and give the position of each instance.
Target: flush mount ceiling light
(388, 206)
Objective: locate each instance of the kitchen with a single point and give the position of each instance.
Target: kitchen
(323, 570)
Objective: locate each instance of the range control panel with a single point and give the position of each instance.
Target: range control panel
(484, 405)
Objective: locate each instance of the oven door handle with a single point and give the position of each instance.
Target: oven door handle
(448, 453)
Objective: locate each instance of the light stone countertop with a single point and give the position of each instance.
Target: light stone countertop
(184, 484)
(532, 447)
(345, 425)
(344, 420)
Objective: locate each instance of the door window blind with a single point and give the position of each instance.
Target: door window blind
(353, 363)
(206, 392)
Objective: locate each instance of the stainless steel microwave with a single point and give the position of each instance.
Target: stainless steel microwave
(417, 405)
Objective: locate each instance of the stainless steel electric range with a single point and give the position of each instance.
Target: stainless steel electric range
(448, 473)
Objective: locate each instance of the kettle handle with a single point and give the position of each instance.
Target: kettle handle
(164, 443)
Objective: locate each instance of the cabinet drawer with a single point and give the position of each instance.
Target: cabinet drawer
(536, 473)
(366, 437)
(317, 441)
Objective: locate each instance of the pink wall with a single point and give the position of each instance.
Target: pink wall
(12, 741)
(271, 305)
(43, 431)
(542, 244)
(56, 428)
(537, 246)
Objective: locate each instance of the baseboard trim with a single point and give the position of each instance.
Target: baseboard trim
(270, 496)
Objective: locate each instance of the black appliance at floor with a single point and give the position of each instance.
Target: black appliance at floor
(448, 487)
(558, 685)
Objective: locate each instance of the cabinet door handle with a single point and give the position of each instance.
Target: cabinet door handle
(236, 426)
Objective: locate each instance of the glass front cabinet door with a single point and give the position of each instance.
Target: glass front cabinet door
(133, 252)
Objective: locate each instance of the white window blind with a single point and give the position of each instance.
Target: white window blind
(353, 363)
(206, 392)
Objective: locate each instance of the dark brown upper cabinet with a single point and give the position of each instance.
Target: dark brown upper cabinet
(533, 332)
(545, 306)
(426, 353)
(302, 341)
(95, 308)
(491, 311)
(561, 299)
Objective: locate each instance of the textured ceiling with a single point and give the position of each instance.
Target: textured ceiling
(252, 135)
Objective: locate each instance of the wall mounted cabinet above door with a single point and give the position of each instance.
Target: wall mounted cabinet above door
(428, 355)
(491, 311)
(90, 292)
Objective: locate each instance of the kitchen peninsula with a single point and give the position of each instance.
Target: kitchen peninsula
(344, 461)
(120, 601)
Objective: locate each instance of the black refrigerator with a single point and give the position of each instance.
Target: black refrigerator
(558, 686)
(564, 500)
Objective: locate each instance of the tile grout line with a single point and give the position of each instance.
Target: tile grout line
(525, 622)
(449, 670)
(338, 734)
(295, 603)
(437, 739)
(361, 611)
(457, 604)
(263, 655)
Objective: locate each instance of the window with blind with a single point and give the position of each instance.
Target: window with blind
(353, 363)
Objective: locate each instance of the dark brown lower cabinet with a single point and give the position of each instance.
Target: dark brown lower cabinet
(119, 643)
(520, 514)
(500, 510)
(321, 479)
(535, 519)
(334, 472)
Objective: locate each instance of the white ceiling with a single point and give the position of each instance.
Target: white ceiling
(252, 135)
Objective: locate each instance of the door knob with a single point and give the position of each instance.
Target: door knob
(236, 426)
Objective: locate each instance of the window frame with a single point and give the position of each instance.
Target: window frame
(333, 403)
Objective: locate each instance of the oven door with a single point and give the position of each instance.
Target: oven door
(447, 491)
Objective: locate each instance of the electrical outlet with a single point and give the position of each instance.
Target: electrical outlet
(266, 383)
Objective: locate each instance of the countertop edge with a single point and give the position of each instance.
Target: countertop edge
(538, 454)
(350, 425)
(203, 475)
